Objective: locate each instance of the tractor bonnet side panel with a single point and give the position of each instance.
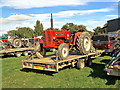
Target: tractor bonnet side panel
(49, 37)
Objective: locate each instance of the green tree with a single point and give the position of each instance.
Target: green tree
(22, 32)
(38, 28)
(97, 30)
(25, 32)
(56, 29)
(12, 33)
(71, 27)
(82, 26)
(104, 29)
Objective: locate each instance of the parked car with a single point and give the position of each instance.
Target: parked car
(106, 42)
(113, 67)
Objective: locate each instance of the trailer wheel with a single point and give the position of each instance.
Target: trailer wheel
(18, 54)
(80, 64)
(25, 53)
(40, 52)
(89, 61)
(83, 43)
(17, 43)
(63, 51)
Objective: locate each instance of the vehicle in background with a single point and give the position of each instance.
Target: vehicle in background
(17, 47)
(13, 42)
(117, 44)
(106, 42)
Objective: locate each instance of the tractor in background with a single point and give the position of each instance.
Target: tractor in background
(12, 42)
(61, 42)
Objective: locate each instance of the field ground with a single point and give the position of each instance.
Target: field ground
(89, 77)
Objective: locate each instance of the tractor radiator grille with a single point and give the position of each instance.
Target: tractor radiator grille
(49, 39)
(44, 39)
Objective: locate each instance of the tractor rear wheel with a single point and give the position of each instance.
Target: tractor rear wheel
(83, 43)
(39, 51)
(17, 43)
(63, 51)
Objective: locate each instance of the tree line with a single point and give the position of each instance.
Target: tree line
(27, 32)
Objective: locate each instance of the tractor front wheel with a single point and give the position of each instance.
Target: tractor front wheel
(40, 52)
(63, 51)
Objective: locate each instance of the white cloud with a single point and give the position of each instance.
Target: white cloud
(13, 21)
(24, 4)
(114, 16)
(22, 20)
(12, 26)
(83, 12)
(15, 18)
(69, 13)
(91, 24)
(109, 17)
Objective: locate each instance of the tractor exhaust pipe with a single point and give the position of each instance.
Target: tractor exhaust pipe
(51, 20)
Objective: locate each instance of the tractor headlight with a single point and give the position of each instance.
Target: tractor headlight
(54, 38)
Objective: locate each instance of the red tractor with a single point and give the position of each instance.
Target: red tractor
(62, 41)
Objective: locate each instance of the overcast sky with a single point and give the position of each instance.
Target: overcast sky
(24, 13)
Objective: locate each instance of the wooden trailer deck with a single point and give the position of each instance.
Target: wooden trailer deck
(52, 59)
(15, 50)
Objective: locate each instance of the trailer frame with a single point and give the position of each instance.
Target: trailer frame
(17, 51)
(51, 63)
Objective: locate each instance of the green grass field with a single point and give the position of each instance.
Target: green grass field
(89, 77)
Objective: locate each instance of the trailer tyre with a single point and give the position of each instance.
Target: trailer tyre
(18, 54)
(17, 43)
(80, 64)
(89, 62)
(25, 53)
(63, 51)
(83, 43)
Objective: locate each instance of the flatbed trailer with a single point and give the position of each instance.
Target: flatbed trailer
(51, 63)
(17, 51)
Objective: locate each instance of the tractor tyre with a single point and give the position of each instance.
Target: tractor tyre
(92, 49)
(80, 64)
(83, 43)
(17, 43)
(39, 51)
(63, 51)
(6, 45)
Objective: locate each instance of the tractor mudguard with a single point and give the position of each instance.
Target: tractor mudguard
(75, 37)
